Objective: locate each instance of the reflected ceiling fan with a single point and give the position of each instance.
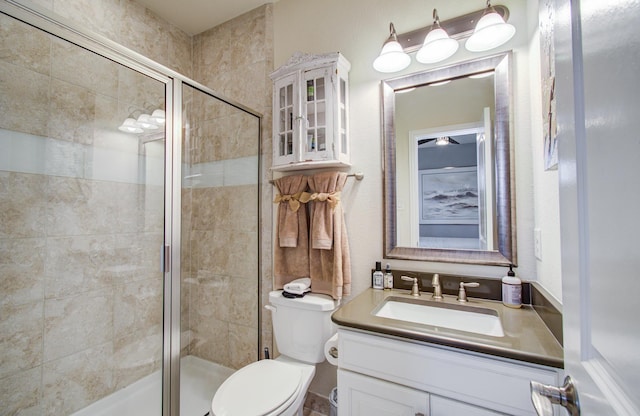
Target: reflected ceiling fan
(440, 141)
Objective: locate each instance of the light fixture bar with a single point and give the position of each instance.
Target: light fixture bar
(458, 28)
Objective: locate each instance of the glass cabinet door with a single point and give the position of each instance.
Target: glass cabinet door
(286, 96)
(317, 86)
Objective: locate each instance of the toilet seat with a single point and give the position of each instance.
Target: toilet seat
(262, 388)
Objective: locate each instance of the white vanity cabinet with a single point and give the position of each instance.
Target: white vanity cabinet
(311, 112)
(379, 375)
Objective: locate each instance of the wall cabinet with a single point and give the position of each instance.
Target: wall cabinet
(311, 112)
(379, 375)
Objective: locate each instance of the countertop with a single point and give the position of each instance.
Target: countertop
(526, 337)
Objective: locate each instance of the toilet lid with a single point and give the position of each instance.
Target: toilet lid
(258, 389)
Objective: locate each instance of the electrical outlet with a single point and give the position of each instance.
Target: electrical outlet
(537, 243)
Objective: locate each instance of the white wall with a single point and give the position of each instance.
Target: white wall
(358, 28)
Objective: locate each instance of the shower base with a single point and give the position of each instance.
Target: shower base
(198, 382)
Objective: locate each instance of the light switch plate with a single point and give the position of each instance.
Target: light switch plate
(537, 243)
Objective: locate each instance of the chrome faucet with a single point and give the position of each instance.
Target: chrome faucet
(462, 293)
(415, 290)
(437, 289)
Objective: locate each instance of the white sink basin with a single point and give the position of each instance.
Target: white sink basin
(459, 317)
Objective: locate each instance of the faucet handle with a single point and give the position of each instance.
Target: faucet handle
(462, 293)
(415, 290)
(437, 288)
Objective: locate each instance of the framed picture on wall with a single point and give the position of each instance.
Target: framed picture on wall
(548, 73)
(449, 196)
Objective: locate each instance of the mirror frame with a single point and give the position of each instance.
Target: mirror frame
(504, 175)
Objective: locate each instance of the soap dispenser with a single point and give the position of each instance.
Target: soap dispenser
(511, 289)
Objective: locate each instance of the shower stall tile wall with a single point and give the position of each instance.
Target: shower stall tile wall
(81, 208)
(82, 218)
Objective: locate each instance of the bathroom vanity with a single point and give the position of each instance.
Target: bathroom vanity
(396, 367)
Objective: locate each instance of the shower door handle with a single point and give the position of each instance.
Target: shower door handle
(165, 259)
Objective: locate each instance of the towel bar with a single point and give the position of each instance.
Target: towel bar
(358, 175)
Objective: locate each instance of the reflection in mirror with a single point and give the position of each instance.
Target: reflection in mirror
(447, 164)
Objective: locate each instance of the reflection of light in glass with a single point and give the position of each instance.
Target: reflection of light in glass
(442, 141)
(482, 75)
(130, 126)
(405, 90)
(435, 84)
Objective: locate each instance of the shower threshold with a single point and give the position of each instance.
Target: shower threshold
(198, 382)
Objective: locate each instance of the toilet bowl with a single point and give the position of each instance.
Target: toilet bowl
(278, 387)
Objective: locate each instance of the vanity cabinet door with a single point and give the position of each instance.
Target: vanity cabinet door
(359, 395)
(441, 406)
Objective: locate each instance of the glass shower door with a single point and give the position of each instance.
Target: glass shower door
(219, 285)
(81, 226)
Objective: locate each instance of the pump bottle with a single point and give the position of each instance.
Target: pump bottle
(511, 289)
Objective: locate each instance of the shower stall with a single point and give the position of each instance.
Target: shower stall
(129, 251)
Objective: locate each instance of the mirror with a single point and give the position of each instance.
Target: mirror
(447, 171)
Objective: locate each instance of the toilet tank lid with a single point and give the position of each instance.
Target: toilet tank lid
(311, 301)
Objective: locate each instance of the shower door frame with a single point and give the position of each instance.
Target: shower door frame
(169, 256)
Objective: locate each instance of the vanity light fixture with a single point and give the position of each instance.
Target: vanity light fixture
(490, 32)
(392, 57)
(437, 45)
(484, 29)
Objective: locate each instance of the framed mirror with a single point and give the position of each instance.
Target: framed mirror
(448, 181)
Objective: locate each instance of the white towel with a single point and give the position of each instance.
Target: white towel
(298, 286)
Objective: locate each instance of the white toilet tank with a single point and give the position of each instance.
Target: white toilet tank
(301, 326)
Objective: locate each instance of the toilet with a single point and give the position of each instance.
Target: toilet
(278, 387)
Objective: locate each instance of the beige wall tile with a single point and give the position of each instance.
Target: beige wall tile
(20, 337)
(243, 254)
(72, 113)
(83, 68)
(213, 348)
(139, 91)
(138, 309)
(24, 100)
(243, 207)
(75, 323)
(22, 208)
(82, 207)
(21, 270)
(136, 356)
(210, 207)
(24, 46)
(77, 380)
(21, 393)
(243, 342)
(180, 52)
(244, 301)
(102, 17)
(144, 32)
